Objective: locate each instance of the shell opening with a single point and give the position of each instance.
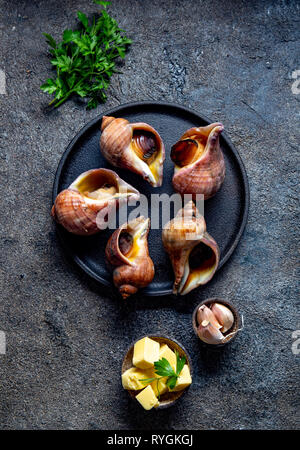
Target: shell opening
(125, 242)
(201, 264)
(130, 239)
(145, 145)
(187, 151)
(201, 258)
(98, 186)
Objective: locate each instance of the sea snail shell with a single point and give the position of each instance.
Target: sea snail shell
(199, 161)
(127, 251)
(133, 146)
(194, 254)
(77, 207)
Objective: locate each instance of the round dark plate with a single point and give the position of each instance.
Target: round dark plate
(225, 214)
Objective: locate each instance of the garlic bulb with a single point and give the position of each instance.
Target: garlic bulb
(223, 315)
(212, 323)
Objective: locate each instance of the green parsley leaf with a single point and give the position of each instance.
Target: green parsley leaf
(171, 382)
(164, 368)
(83, 19)
(50, 41)
(69, 36)
(49, 86)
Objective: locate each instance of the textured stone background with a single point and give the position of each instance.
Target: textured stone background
(66, 335)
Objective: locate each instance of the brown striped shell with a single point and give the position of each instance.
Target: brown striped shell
(95, 191)
(199, 161)
(127, 252)
(194, 254)
(134, 146)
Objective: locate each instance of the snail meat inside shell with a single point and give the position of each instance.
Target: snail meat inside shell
(144, 145)
(104, 191)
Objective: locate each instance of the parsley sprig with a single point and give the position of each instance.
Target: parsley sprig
(85, 59)
(164, 369)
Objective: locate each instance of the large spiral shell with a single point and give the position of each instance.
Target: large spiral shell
(134, 146)
(98, 190)
(199, 161)
(127, 252)
(194, 254)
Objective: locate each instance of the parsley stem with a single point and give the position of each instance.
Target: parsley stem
(52, 101)
(65, 97)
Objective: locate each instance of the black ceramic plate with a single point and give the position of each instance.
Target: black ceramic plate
(225, 213)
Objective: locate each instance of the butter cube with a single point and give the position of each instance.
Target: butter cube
(166, 352)
(184, 379)
(147, 398)
(131, 379)
(145, 353)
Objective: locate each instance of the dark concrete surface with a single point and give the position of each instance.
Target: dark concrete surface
(66, 335)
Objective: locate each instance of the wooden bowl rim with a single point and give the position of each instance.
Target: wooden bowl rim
(183, 352)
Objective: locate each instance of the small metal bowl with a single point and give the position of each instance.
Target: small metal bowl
(230, 334)
(169, 398)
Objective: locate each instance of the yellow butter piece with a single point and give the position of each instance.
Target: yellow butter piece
(184, 379)
(147, 398)
(131, 378)
(166, 352)
(145, 352)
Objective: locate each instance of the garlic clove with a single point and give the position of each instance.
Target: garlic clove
(223, 315)
(209, 334)
(204, 313)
